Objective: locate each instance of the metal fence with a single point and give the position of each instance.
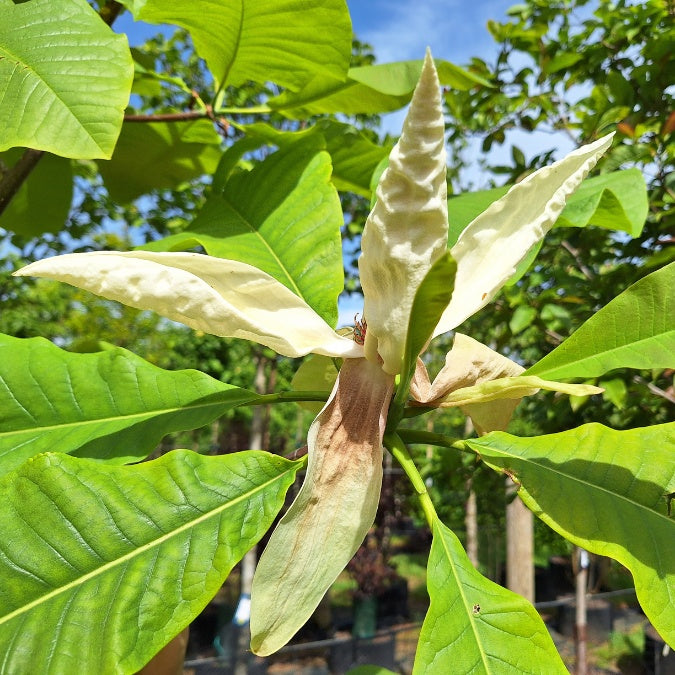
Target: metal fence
(394, 648)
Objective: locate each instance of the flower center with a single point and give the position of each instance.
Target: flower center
(360, 328)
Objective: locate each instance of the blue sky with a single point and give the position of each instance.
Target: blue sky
(402, 29)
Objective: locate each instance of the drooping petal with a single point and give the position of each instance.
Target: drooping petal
(489, 249)
(333, 511)
(486, 385)
(222, 297)
(407, 230)
(468, 363)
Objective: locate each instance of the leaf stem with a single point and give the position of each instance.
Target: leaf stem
(397, 447)
(288, 397)
(251, 110)
(420, 437)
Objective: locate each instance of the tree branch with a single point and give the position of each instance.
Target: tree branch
(169, 117)
(110, 11)
(654, 389)
(577, 258)
(13, 178)
(220, 122)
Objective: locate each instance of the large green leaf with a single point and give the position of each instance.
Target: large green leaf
(476, 626)
(109, 405)
(606, 491)
(635, 330)
(283, 217)
(102, 565)
(355, 157)
(285, 41)
(65, 78)
(160, 155)
(616, 201)
(368, 89)
(43, 201)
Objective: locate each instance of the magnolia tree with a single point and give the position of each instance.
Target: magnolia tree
(106, 558)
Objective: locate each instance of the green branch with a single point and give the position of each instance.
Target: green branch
(419, 437)
(395, 445)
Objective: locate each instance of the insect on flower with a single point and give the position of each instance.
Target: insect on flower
(360, 328)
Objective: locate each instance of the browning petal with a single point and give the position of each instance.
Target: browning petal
(333, 511)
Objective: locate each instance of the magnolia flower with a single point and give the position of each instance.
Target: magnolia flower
(404, 236)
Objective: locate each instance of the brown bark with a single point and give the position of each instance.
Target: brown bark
(519, 546)
(169, 659)
(581, 665)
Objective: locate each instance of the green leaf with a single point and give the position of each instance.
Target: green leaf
(160, 155)
(283, 217)
(615, 391)
(462, 209)
(635, 330)
(605, 491)
(615, 201)
(316, 373)
(285, 41)
(355, 157)
(561, 61)
(65, 78)
(368, 89)
(103, 565)
(110, 405)
(43, 201)
(476, 626)
(522, 317)
(431, 299)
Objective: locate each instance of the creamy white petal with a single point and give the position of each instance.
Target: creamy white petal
(489, 249)
(218, 296)
(407, 230)
(468, 363)
(333, 511)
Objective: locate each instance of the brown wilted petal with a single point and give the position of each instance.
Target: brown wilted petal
(333, 511)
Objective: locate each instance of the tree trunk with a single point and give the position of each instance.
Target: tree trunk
(471, 510)
(519, 545)
(247, 566)
(471, 525)
(581, 616)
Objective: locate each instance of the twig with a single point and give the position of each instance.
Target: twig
(654, 389)
(110, 11)
(169, 117)
(574, 252)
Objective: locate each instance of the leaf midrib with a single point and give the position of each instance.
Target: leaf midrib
(255, 231)
(107, 420)
(641, 342)
(483, 654)
(587, 484)
(140, 550)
